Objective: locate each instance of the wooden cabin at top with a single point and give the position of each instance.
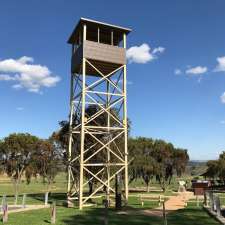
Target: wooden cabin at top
(102, 44)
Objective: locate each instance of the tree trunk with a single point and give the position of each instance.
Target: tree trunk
(90, 184)
(147, 187)
(16, 191)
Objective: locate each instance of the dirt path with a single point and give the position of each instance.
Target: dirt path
(173, 203)
(178, 201)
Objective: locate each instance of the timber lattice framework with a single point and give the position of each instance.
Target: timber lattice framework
(98, 114)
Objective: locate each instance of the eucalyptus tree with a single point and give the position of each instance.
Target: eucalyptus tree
(61, 139)
(155, 158)
(16, 155)
(213, 169)
(180, 160)
(46, 161)
(220, 166)
(1, 158)
(143, 163)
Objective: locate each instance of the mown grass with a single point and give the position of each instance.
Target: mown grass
(36, 185)
(66, 216)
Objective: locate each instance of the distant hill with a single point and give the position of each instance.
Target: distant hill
(196, 167)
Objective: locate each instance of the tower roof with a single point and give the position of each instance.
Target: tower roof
(93, 25)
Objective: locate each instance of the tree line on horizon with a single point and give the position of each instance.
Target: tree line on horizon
(216, 169)
(25, 155)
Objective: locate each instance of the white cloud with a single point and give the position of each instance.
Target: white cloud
(143, 54)
(222, 98)
(158, 50)
(221, 64)
(177, 72)
(197, 70)
(26, 75)
(6, 77)
(20, 108)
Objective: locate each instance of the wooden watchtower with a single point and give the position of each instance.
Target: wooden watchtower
(97, 149)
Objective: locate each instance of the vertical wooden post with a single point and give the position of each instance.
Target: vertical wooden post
(164, 214)
(214, 202)
(160, 200)
(98, 35)
(82, 124)
(16, 199)
(218, 207)
(211, 200)
(197, 201)
(118, 192)
(3, 200)
(109, 138)
(205, 198)
(53, 213)
(46, 198)
(5, 213)
(125, 121)
(24, 201)
(69, 202)
(111, 37)
(106, 221)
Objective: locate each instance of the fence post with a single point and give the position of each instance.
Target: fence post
(46, 198)
(24, 201)
(53, 213)
(164, 214)
(207, 199)
(3, 200)
(197, 201)
(5, 213)
(214, 202)
(218, 208)
(16, 199)
(142, 201)
(159, 200)
(211, 200)
(118, 193)
(106, 222)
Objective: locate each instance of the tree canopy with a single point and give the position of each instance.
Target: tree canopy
(155, 158)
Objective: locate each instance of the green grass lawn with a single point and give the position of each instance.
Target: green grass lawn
(65, 216)
(36, 185)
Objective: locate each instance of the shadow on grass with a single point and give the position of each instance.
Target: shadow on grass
(59, 198)
(195, 216)
(96, 216)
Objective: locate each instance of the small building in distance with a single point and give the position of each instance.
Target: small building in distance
(199, 186)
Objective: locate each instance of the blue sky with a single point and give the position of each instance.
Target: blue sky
(174, 94)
